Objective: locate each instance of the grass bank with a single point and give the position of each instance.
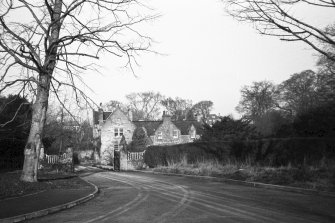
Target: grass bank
(11, 186)
(320, 177)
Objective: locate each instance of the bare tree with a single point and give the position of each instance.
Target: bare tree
(202, 108)
(145, 105)
(177, 107)
(113, 104)
(47, 44)
(298, 94)
(257, 99)
(276, 18)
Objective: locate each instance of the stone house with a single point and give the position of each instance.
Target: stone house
(111, 127)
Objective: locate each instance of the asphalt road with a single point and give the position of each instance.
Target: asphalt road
(141, 197)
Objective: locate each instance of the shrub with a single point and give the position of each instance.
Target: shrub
(199, 151)
(297, 152)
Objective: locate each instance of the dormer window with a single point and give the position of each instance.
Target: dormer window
(118, 132)
(175, 134)
(159, 135)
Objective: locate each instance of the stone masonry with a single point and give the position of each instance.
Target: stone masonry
(110, 127)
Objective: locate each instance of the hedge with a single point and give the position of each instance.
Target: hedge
(267, 152)
(162, 155)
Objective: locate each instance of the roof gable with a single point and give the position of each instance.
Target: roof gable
(185, 126)
(150, 126)
(116, 113)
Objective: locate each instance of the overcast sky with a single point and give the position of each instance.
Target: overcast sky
(209, 56)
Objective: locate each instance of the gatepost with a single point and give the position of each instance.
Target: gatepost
(123, 154)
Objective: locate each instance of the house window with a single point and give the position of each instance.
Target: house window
(192, 134)
(118, 132)
(175, 134)
(159, 135)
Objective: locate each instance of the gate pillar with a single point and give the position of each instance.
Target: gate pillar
(123, 154)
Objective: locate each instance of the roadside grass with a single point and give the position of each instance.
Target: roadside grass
(11, 186)
(320, 177)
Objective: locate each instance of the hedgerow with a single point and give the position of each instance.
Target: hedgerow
(269, 152)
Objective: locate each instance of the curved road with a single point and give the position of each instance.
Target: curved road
(141, 197)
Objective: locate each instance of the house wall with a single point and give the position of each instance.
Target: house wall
(167, 128)
(117, 120)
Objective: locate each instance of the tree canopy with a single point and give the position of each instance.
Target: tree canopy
(228, 129)
(145, 105)
(257, 99)
(202, 108)
(177, 107)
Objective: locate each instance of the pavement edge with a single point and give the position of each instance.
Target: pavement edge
(54, 209)
(253, 184)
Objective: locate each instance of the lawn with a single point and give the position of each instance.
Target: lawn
(11, 186)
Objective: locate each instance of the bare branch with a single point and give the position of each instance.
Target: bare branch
(273, 17)
(17, 111)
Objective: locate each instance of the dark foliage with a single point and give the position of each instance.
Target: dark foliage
(269, 124)
(266, 152)
(228, 129)
(318, 122)
(59, 136)
(198, 151)
(140, 140)
(15, 118)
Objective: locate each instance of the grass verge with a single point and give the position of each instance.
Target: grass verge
(317, 178)
(11, 186)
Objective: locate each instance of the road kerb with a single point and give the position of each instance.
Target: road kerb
(54, 209)
(253, 184)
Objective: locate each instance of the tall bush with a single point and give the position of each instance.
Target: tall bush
(265, 152)
(194, 152)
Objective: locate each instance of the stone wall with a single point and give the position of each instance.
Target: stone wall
(117, 120)
(166, 128)
(135, 164)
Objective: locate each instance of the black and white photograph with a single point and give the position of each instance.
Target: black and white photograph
(155, 111)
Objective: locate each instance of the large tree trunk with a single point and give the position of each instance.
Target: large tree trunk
(32, 149)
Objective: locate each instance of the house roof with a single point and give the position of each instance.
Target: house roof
(96, 116)
(106, 115)
(150, 126)
(185, 126)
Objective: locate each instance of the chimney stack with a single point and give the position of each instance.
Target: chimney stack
(101, 114)
(166, 116)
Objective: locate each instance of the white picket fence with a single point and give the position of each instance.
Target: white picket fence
(52, 159)
(135, 155)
